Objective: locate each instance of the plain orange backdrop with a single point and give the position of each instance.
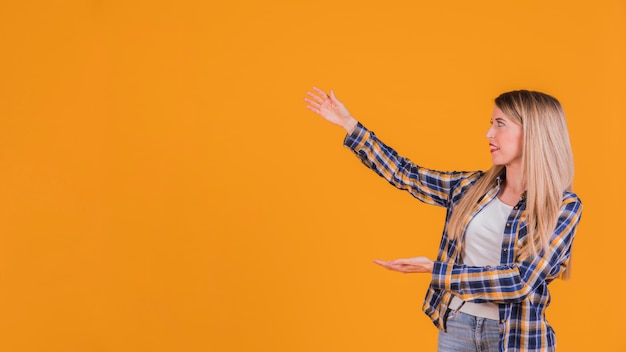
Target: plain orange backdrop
(163, 188)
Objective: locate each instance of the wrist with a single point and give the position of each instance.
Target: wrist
(350, 125)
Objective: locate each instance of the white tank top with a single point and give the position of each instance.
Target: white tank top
(483, 246)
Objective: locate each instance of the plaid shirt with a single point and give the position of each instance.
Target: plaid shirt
(518, 286)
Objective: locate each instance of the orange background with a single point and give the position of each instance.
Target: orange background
(163, 188)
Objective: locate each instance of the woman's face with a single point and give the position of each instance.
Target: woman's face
(505, 140)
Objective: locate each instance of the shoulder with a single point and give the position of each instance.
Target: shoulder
(462, 180)
(571, 205)
(469, 178)
(465, 181)
(571, 197)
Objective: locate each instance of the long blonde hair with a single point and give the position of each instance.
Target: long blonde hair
(547, 168)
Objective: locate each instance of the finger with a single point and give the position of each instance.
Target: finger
(383, 263)
(315, 110)
(312, 103)
(321, 92)
(389, 266)
(315, 97)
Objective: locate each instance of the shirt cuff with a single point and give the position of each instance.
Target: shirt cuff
(441, 275)
(356, 138)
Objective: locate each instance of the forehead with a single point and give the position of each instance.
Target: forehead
(498, 114)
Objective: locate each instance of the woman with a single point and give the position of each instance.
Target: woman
(508, 231)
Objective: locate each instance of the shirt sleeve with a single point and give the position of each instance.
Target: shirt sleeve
(513, 283)
(429, 186)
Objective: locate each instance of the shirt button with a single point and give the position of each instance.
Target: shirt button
(508, 224)
(506, 249)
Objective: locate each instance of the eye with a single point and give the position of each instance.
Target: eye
(498, 122)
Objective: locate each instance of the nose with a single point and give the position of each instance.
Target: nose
(489, 134)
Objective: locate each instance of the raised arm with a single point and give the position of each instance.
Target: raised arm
(429, 186)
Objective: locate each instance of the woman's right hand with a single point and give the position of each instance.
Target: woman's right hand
(330, 108)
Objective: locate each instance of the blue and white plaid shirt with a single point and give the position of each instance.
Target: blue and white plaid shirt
(518, 286)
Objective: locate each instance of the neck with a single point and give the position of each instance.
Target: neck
(514, 182)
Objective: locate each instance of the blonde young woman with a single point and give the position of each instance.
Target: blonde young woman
(508, 231)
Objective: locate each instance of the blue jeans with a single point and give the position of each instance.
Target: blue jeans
(467, 333)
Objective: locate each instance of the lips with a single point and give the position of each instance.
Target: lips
(493, 148)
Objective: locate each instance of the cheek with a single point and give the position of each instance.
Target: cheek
(520, 143)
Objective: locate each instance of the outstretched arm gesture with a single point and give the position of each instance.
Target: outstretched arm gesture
(330, 108)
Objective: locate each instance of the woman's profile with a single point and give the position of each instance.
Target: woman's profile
(508, 231)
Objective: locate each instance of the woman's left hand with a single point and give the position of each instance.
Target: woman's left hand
(408, 265)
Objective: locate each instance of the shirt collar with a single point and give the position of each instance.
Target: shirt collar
(501, 178)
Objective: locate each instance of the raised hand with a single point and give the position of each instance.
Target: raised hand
(330, 108)
(408, 265)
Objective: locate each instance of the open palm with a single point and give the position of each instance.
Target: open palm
(330, 108)
(408, 265)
